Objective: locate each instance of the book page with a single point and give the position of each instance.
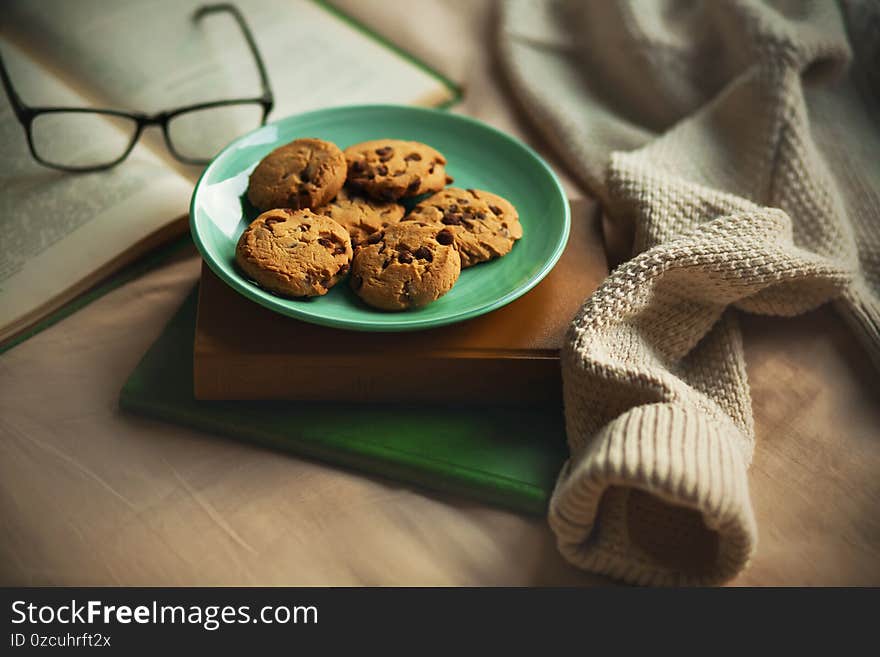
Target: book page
(60, 228)
(151, 56)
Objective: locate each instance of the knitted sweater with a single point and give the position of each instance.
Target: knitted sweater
(741, 140)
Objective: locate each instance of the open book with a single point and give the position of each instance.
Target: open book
(62, 231)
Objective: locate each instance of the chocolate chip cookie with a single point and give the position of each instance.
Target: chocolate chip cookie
(485, 225)
(360, 215)
(390, 169)
(294, 253)
(305, 173)
(408, 265)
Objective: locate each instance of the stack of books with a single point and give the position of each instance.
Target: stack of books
(485, 422)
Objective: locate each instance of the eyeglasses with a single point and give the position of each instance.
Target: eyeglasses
(81, 139)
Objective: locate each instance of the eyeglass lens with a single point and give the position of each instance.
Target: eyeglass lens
(201, 134)
(81, 139)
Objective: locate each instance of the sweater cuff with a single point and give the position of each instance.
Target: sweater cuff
(660, 497)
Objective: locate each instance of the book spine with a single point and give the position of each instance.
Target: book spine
(534, 382)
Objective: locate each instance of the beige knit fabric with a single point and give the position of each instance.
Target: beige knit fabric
(742, 141)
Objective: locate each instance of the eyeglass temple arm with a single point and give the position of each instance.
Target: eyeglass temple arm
(239, 18)
(17, 103)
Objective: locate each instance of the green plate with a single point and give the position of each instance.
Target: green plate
(479, 157)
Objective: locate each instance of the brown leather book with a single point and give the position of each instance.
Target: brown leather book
(245, 351)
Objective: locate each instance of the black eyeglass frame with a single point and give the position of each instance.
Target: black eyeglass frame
(26, 114)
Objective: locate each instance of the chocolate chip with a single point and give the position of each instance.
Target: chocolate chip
(431, 170)
(413, 156)
(339, 250)
(424, 253)
(414, 185)
(385, 150)
(356, 167)
(323, 241)
(357, 282)
(445, 237)
(304, 227)
(472, 192)
(343, 268)
(375, 237)
(405, 257)
(382, 170)
(449, 180)
(325, 282)
(480, 215)
(450, 220)
(495, 210)
(271, 221)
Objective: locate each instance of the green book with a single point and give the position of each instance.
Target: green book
(499, 455)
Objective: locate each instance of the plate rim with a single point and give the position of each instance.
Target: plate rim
(241, 286)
